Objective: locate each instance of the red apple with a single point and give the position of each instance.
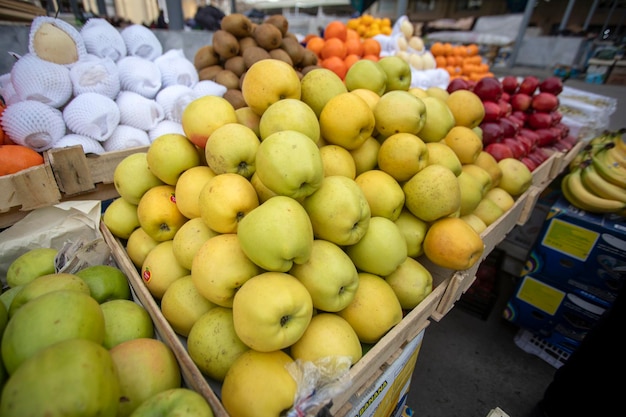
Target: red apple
(492, 132)
(509, 84)
(493, 111)
(488, 89)
(530, 164)
(521, 101)
(529, 85)
(539, 156)
(499, 151)
(553, 85)
(505, 96)
(528, 143)
(562, 128)
(457, 84)
(557, 116)
(539, 120)
(518, 122)
(518, 149)
(562, 145)
(545, 102)
(509, 127)
(522, 115)
(530, 134)
(506, 107)
(547, 137)
(571, 139)
(471, 84)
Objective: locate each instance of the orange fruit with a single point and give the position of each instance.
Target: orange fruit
(336, 65)
(354, 47)
(351, 59)
(371, 47)
(315, 44)
(437, 49)
(352, 34)
(333, 47)
(336, 29)
(371, 57)
(441, 61)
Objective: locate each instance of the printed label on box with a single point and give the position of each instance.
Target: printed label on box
(570, 239)
(540, 295)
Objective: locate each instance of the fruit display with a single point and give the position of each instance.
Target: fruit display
(460, 61)
(596, 180)
(368, 26)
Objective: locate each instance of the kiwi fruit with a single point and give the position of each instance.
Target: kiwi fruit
(280, 22)
(238, 24)
(241, 80)
(268, 36)
(308, 58)
(227, 78)
(308, 68)
(235, 64)
(245, 43)
(205, 57)
(235, 98)
(282, 55)
(209, 73)
(291, 35)
(293, 48)
(225, 44)
(254, 54)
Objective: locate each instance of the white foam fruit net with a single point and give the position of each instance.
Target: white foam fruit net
(139, 75)
(208, 88)
(7, 91)
(125, 137)
(176, 69)
(139, 111)
(89, 145)
(165, 127)
(174, 99)
(55, 40)
(33, 124)
(103, 39)
(92, 115)
(141, 41)
(95, 75)
(36, 79)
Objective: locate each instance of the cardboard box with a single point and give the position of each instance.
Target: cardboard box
(584, 252)
(559, 317)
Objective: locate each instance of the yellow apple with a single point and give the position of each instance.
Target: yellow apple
(328, 335)
(337, 160)
(158, 213)
(318, 86)
(452, 243)
(366, 156)
(171, 154)
(262, 192)
(467, 108)
(475, 222)
(247, 117)
(262, 379)
(480, 174)
(413, 230)
(161, 268)
(381, 250)
(488, 211)
(268, 81)
(439, 92)
(465, 143)
(366, 74)
(487, 162)
(120, 217)
(271, 311)
(205, 114)
(145, 367)
(501, 198)
(277, 234)
(220, 268)
(402, 155)
(138, 245)
(370, 97)
(398, 73)
(399, 111)
(329, 275)
(289, 163)
(180, 402)
(132, 177)
(338, 211)
(189, 238)
(125, 320)
(383, 193)
(442, 154)
(418, 92)
(439, 120)
(225, 200)
(411, 282)
(516, 177)
(232, 148)
(182, 305)
(347, 120)
(188, 189)
(433, 193)
(374, 310)
(471, 192)
(290, 114)
(213, 344)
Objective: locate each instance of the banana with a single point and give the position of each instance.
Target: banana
(608, 169)
(599, 186)
(617, 155)
(620, 145)
(585, 199)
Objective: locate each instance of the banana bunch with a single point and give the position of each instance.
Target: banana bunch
(596, 181)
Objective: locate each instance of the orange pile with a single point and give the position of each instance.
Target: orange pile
(369, 26)
(461, 61)
(341, 46)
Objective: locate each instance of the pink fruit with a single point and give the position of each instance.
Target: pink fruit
(553, 85)
(546, 137)
(510, 84)
(506, 107)
(492, 132)
(493, 111)
(530, 164)
(539, 120)
(488, 89)
(521, 101)
(545, 102)
(509, 128)
(499, 151)
(457, 84)
(528, 85)
(518, 149)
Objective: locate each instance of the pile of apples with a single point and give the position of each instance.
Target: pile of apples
(522, 118)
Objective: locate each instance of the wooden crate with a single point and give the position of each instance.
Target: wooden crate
(66, 174)
(542, 174)
(562, 159)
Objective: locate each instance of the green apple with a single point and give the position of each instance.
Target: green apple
(399, 111)
(213, 344)
(224, 200)
(329, 275)
(121, 218)
(263, 193)
(516, 177)
(328, 335)
(318, 86)
(290, 114)
(161, 268)
(171, 154)
(439, 120)
(433, 193)
(442, 154)
(471, 192)
(106, 282)
(138, 244)
(262, 379)
(182, 305)
(125, 320)
(158, 213)
(271, 311)
(366, 156)
(338, 211)
(249, 118)
(220, 268)
(488, 211)
(402, 155)
(232, 148)
(413, 230)
(46, 284)
(411, 282)
(398, 72)
(179, 402)
(383, 193)
(189, 239)
(289, 163)
(501, 198)
(366, 74)
(277, 234)
(337, 161)
(72, 377)
(30, 265)
(132, 177)
(481, 174)
(475, 222)
(347, 120)
(9, 294)
(205, 114)
(145, 367)
(268, 81)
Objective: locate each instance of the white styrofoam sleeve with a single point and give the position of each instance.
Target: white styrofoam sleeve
(95, 75)
(208, 88)
(36, 79)
(71, 31)
(139, 75)
(125, 137)
(142, 42)
(139, 111)
(174, 99)
(33, 124)
(176, 69)
(89, 145)
(165, 127)
(103, 39)
(92, 115)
